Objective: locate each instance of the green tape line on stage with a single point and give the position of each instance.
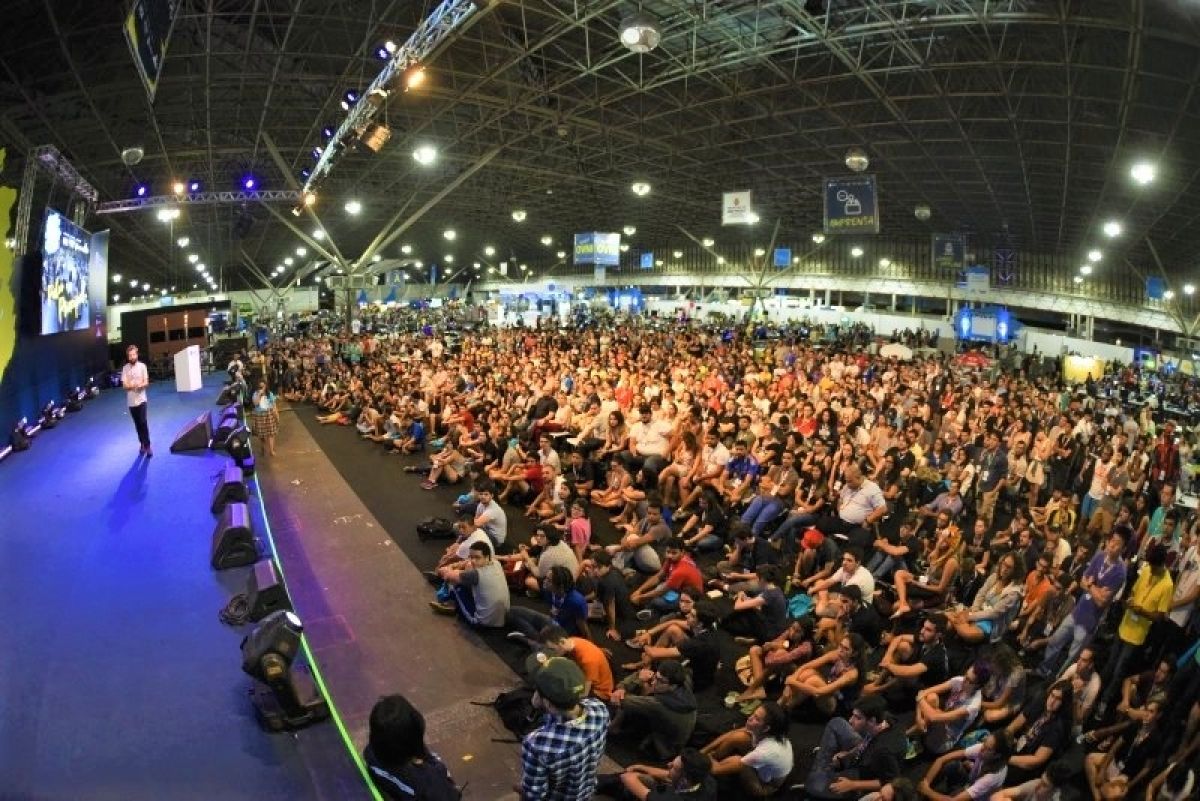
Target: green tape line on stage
(316, 669)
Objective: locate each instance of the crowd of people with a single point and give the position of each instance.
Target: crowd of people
(980, 585)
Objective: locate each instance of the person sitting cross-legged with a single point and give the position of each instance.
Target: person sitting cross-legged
(480, 592)
(969, 773)
(758, 755)
(660, 592)
(691, 637)
(859, 755)
(657, 704)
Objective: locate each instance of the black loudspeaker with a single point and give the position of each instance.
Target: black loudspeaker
(264, 591)
(195, 436)
(232, 542)
(230, 488)
(230, 422)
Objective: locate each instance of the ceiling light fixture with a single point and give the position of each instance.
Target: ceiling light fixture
(183, 241)
(1143, 173)
(450, 234)
(856, 251)
(301, 251)
(519, 215)
(708, 242)
(639, 33)
(1189, 289)
(193, 258)
(547, 240)
(178, 188)
(885, 263)
(1094, 255)
(818, 238)
(1112, 229)
(318, 234)
(353, 207)
(489, 251)
(640, 188)
(1085, 269)
(857, 159)
(425, 154)
(629, 230)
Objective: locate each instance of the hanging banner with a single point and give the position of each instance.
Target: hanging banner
(782, 257)
(147, 30)
(504, 268)
(598, 248)
(1155, 287)
(736, 208)
(978, 278)
(599, 274)
(949, 252)
(647, 261)
(851, 205)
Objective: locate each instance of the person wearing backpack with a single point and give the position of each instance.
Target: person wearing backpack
(399, 762)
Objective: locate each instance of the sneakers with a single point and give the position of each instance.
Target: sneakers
(645, 614)
(444, 609)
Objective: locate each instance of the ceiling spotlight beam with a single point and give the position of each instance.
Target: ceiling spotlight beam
(433, 32)
(197, 199)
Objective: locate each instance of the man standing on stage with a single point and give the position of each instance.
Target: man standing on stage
(135, 379)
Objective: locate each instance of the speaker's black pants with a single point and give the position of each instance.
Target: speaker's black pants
(138, 413)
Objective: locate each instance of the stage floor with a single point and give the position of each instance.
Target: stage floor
(117, 681)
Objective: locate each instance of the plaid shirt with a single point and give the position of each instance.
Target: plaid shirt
(559, 759)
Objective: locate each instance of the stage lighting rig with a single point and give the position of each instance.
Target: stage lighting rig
(290, 699)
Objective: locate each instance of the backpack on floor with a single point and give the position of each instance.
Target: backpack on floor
(515, 708)
(435, 528)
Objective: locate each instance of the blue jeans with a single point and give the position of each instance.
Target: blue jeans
(1068, 632)
(710, 542)
(838, 736)
(791, 528)
(761, 511)
(881, 565)
(1086, 507)
(527, 621)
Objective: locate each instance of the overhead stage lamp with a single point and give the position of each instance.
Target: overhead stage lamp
(640, 33)
(519, 215)
(248, 183)
(818, 238)
(1078, 279)
(178, 187)
(141, 190)
(406, 250)
(708, 241)
(376, 136)
(414, 77)
(489, 251)
(1112, 229)
(629, 230)
(318, 234)
(1085, 269)
(922, 212)
(1189, 289)
(194, 187)
(640, 188)
(291, 700)
(856, 252)
(547, 240)
(1143, 173)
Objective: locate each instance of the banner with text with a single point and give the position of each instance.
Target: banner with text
(147, 31)
(647, 260)
(783, 257)
(851, 205)
(949, 253)
(598, 249)
(736, 208)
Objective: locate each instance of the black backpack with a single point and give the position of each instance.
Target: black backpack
(435, 528)
(516, 711)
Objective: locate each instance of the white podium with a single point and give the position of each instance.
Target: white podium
(187, 369)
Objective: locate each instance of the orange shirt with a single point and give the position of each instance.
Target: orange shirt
(595, 667)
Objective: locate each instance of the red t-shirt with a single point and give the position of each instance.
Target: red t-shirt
(684, 575)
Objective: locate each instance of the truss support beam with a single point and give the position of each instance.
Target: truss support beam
(433, 31)
(198, 199)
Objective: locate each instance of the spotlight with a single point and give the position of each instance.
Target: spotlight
(289, 261)
(450, 234)
(353, 207)
(1169, 294)
(167, 215)
(291, 699)
(489, 251)
(183, 241)
(1112, 229)
(425, 155)
(1189, 289)
(1085, 269)
(1094, 255)
(382, 54)
(178, 187)
(304, 173)
(1143, 173)
(856, 252)
(406, 250)
(193, 258)
(759, 252)
(639, 33)
(376, 136)
(448, 258)
(885, 263)
(318, 234)
(389, 46)
(754, 218)
(818, 238)
(678, 254)
(301, 251)
(640, 188)
(1078, 279)
(351, 96)
(317, 151)
(561, 254)
(141, 190)
(194, 187)
(133, 282)
(327, 132)
(623, 247)
(248, 183)
(519, 215)
(708, 242)
(922, 212)
(414, 77)
(629, 230)
(547, 240)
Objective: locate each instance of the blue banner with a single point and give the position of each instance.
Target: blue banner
(1155, 288)
(647, 262)
(597, 248)
(851, 205)
(391, 295)
(949, 253)
(783, 257)
(362, 297)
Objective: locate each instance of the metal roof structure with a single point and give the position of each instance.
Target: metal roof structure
(1015, 121)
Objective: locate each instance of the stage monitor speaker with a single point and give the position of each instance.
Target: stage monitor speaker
(230, 488)
(195, 435)
(229, 423)
(233, 543)
(264, 591)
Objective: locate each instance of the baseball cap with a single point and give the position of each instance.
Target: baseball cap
(812, 539)
(560, 681)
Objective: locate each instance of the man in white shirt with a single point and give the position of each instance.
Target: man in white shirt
(648, 441)
(135, 378)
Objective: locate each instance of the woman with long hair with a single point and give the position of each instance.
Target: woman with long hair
(400, 764)
(264, 417)
(831, 677)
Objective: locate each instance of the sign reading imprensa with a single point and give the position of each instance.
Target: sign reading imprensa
(736, 208)
(851, 205)
(598, 249)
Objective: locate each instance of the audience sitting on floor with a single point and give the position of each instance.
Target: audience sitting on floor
(993, 562)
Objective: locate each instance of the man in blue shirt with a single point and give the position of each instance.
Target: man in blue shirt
(1105, 575)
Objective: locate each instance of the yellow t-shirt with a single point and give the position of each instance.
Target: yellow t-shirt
(1148, 593)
